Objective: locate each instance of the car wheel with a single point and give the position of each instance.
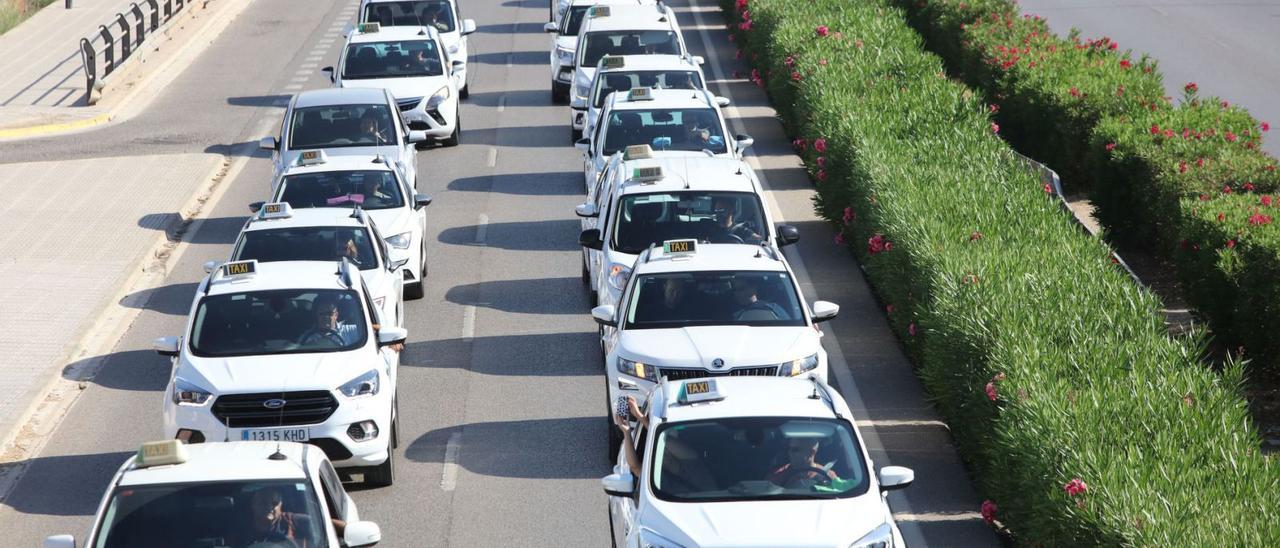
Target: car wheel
(383, 475)
(574, 135)
(465, 92)
(423, 275)
(615, 441)
(456, 138)
(559, 93)
(395, 423)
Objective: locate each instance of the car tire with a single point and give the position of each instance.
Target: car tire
(423, 275)
(615, 441)
(382, 475)
(559, 93)
(574, 135)
(456, 137)
(465, 92)
(413, 291)
(395, 424)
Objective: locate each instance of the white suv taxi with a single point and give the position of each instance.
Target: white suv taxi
(412, 64)
(696, 310)
(641, 200)
(345, 122)
(734, 462)
(287, 351)
(443, 15)
(668, 120)
(319, 181)
(277, 233)
(622, 73)
(565, 42)
(623, 30)
(170, 494)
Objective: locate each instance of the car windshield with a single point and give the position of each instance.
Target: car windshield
(661, 79)
(713, 217)
(693, 299)
(757, 458)
(399, 59)
(232, 513)
(337, 126)
(627, 42)
(308, 243)
(665, 129)
(573, 23)
(425, 13)
(371, 189)
(282, 321)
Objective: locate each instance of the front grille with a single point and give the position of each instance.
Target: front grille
(682, 374)
(248, 411)
(408, 104)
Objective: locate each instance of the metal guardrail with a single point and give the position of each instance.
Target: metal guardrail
(104, 51)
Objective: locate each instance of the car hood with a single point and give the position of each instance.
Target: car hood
(277, 372)
(583, 77)
(793, 523)
(737, 345)
(402, 88)
(392, 221)
(391, 150)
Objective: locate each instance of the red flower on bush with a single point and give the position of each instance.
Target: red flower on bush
(820, 145)
(1231, 244)
(745, 26)
(1048, 189)
(848, 215)
(740, 5)
(1182, 167)
(994, 108)
(991, 391)
(839, 239)
(878, 244)
(995, 128)
(1168, 133)
(1221, 217)
(1266, 201)
(790, 62)
(1247, 187)
(1074, 92)
(1231, 137)
(1265, 126)
(1125, 64)
(989, 510)
(1204, 197)
(822, 31)
(975, 236)
(1226, 189)
(911, 329)
(1258, 219)
(1155, 130)
(796, 76)
(822, 161)
(822, 175)
(1226, 104)
(1111, 147)
(1191, 87)
(800, 144)
(1075, 487)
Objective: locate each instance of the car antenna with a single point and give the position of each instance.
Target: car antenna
(277, 455)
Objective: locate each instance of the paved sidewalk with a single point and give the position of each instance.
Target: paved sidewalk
(71, 234)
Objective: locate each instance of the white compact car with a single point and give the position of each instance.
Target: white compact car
(751, 462)
(565, 42)
(287, 351)
(345, 122)
(642, 199)
(411, 63)
(665, 119)
(373, 184)
(694, 310)
(443, 15)
(226, 494)
(622, 73)
(623, 30)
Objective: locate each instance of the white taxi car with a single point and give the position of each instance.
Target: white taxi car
(565, 42)
(642, 199)
(345, 122)
(624, 72)
(738, 462)
(277, 233)
(444, 15)
(665, 119)
(287, 351)
(623, 30)
(412, 64)
(371, 183)
(696, 310)
(243, 493)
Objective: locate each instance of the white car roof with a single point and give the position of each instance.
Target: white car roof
(632, 17)
(713, 257)
(661, 98)
(685, 171)
(310, 216)
(386, 34)
(225, 461)
(282, 275)
(342, 163)
(652, 62)
(750, 397)
(340, 96)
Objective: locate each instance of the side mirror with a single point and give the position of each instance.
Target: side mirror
(583, 145)
(468, 26)
(255, 206)
(456, 66)
(332, 73)
(896, 477)
(698, 59)
(59, 541)
(744, 141)
(269, 143)
(361, 533)
(392, 335)
(578, 103)
(550, 27)
(586, 210)
(421, 200)
(823, 311)
(722, 101)
(415, 137)
(603, 315)
(210, 266)
(787, 235)
(166, 346)
(590, 239)
(618, 485)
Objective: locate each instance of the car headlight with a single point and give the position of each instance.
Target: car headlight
(400, 241)
(364, 385)
(618, 276)
(880, 537)
(439, 97)
(187, 393)
(637, 369)
(650, 539)
(565, 56)
(798, 366)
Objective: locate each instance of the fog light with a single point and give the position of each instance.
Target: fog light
(362, 431)
(190, 436)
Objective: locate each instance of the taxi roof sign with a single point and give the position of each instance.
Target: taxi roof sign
(640, 94)
(647, 174)
(637, 152)
(612, 62)
(677, 248)
(600, 11)
(367, 28)
(313, 157)
(236, 269)
(160, 453)
(275, 210)
(699, 391)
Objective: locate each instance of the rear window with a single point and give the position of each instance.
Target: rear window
(426, 13)
(337, 126)
(650, 42)
(370, 189)
(623, 81)
(312, 243)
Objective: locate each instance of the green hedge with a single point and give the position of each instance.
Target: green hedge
(1047, 361)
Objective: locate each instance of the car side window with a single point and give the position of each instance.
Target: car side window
(600, 189)
(334, 496)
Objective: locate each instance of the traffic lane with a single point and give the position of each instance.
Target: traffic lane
(1227, 48)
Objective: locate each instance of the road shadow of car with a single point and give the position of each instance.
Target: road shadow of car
(47, 482)
(134, 370)
(216, 230)
(560, 448)
(558, 235)
(172, 299)
(503, 58)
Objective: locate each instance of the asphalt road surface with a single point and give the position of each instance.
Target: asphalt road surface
(503, 370)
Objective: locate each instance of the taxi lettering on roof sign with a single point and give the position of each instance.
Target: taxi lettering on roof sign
(679, 247)
(276, 210)
(600, 11)
(158, 453)
(366, 28)
(612, 62)
(240, 268)
(312, 157)
(699, 391)
(637, 152)
(639, 94)
(647, 174)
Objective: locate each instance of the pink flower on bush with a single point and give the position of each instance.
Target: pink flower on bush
(1247, 187)
(790, 62)
(1226, 104)
(1191, 87)
(1155, 130)
(1168, 133)
(822, 161)
(1266, 201)
(796, 76)
(994, 108)
(877, 244)
(1048, 189)
(995, 128)
(1125, 64)
(848, 215)
(823, 62)
(839, 239)
(1111, 147)
(800, 144)
(1231, 244)
(1265, 126)
(1258, 219)
(1075, 487)
(1231, 137)
(911, 329)
(1199, 162)
(822, 175)
(737, 54)
(745, 26)
(1074, 92)
(991, 391)
(740, 5)
(1226, 189)
(822, 31)
(975, 236)
(989, 511)
(888, 309)
(820, 145)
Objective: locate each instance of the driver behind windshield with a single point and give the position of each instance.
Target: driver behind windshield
(372, 128)
(275, 527)
(329, 329)
(801, 471)
(725, 228)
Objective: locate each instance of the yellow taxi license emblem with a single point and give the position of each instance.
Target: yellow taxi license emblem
(240, 268)
(700, 387)
(679, 247)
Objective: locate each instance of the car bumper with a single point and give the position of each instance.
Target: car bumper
(438, 122)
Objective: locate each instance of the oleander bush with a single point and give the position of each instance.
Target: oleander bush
(1082, 421)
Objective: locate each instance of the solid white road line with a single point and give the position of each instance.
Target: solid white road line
(493, 157)
(449, 476)
(482, 229)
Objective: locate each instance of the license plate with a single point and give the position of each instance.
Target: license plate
(301, 435)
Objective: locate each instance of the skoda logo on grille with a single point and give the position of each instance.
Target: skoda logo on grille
(717, 363)
(273, 403)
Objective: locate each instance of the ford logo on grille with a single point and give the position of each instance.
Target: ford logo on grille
(717, 363)
(273, 403)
